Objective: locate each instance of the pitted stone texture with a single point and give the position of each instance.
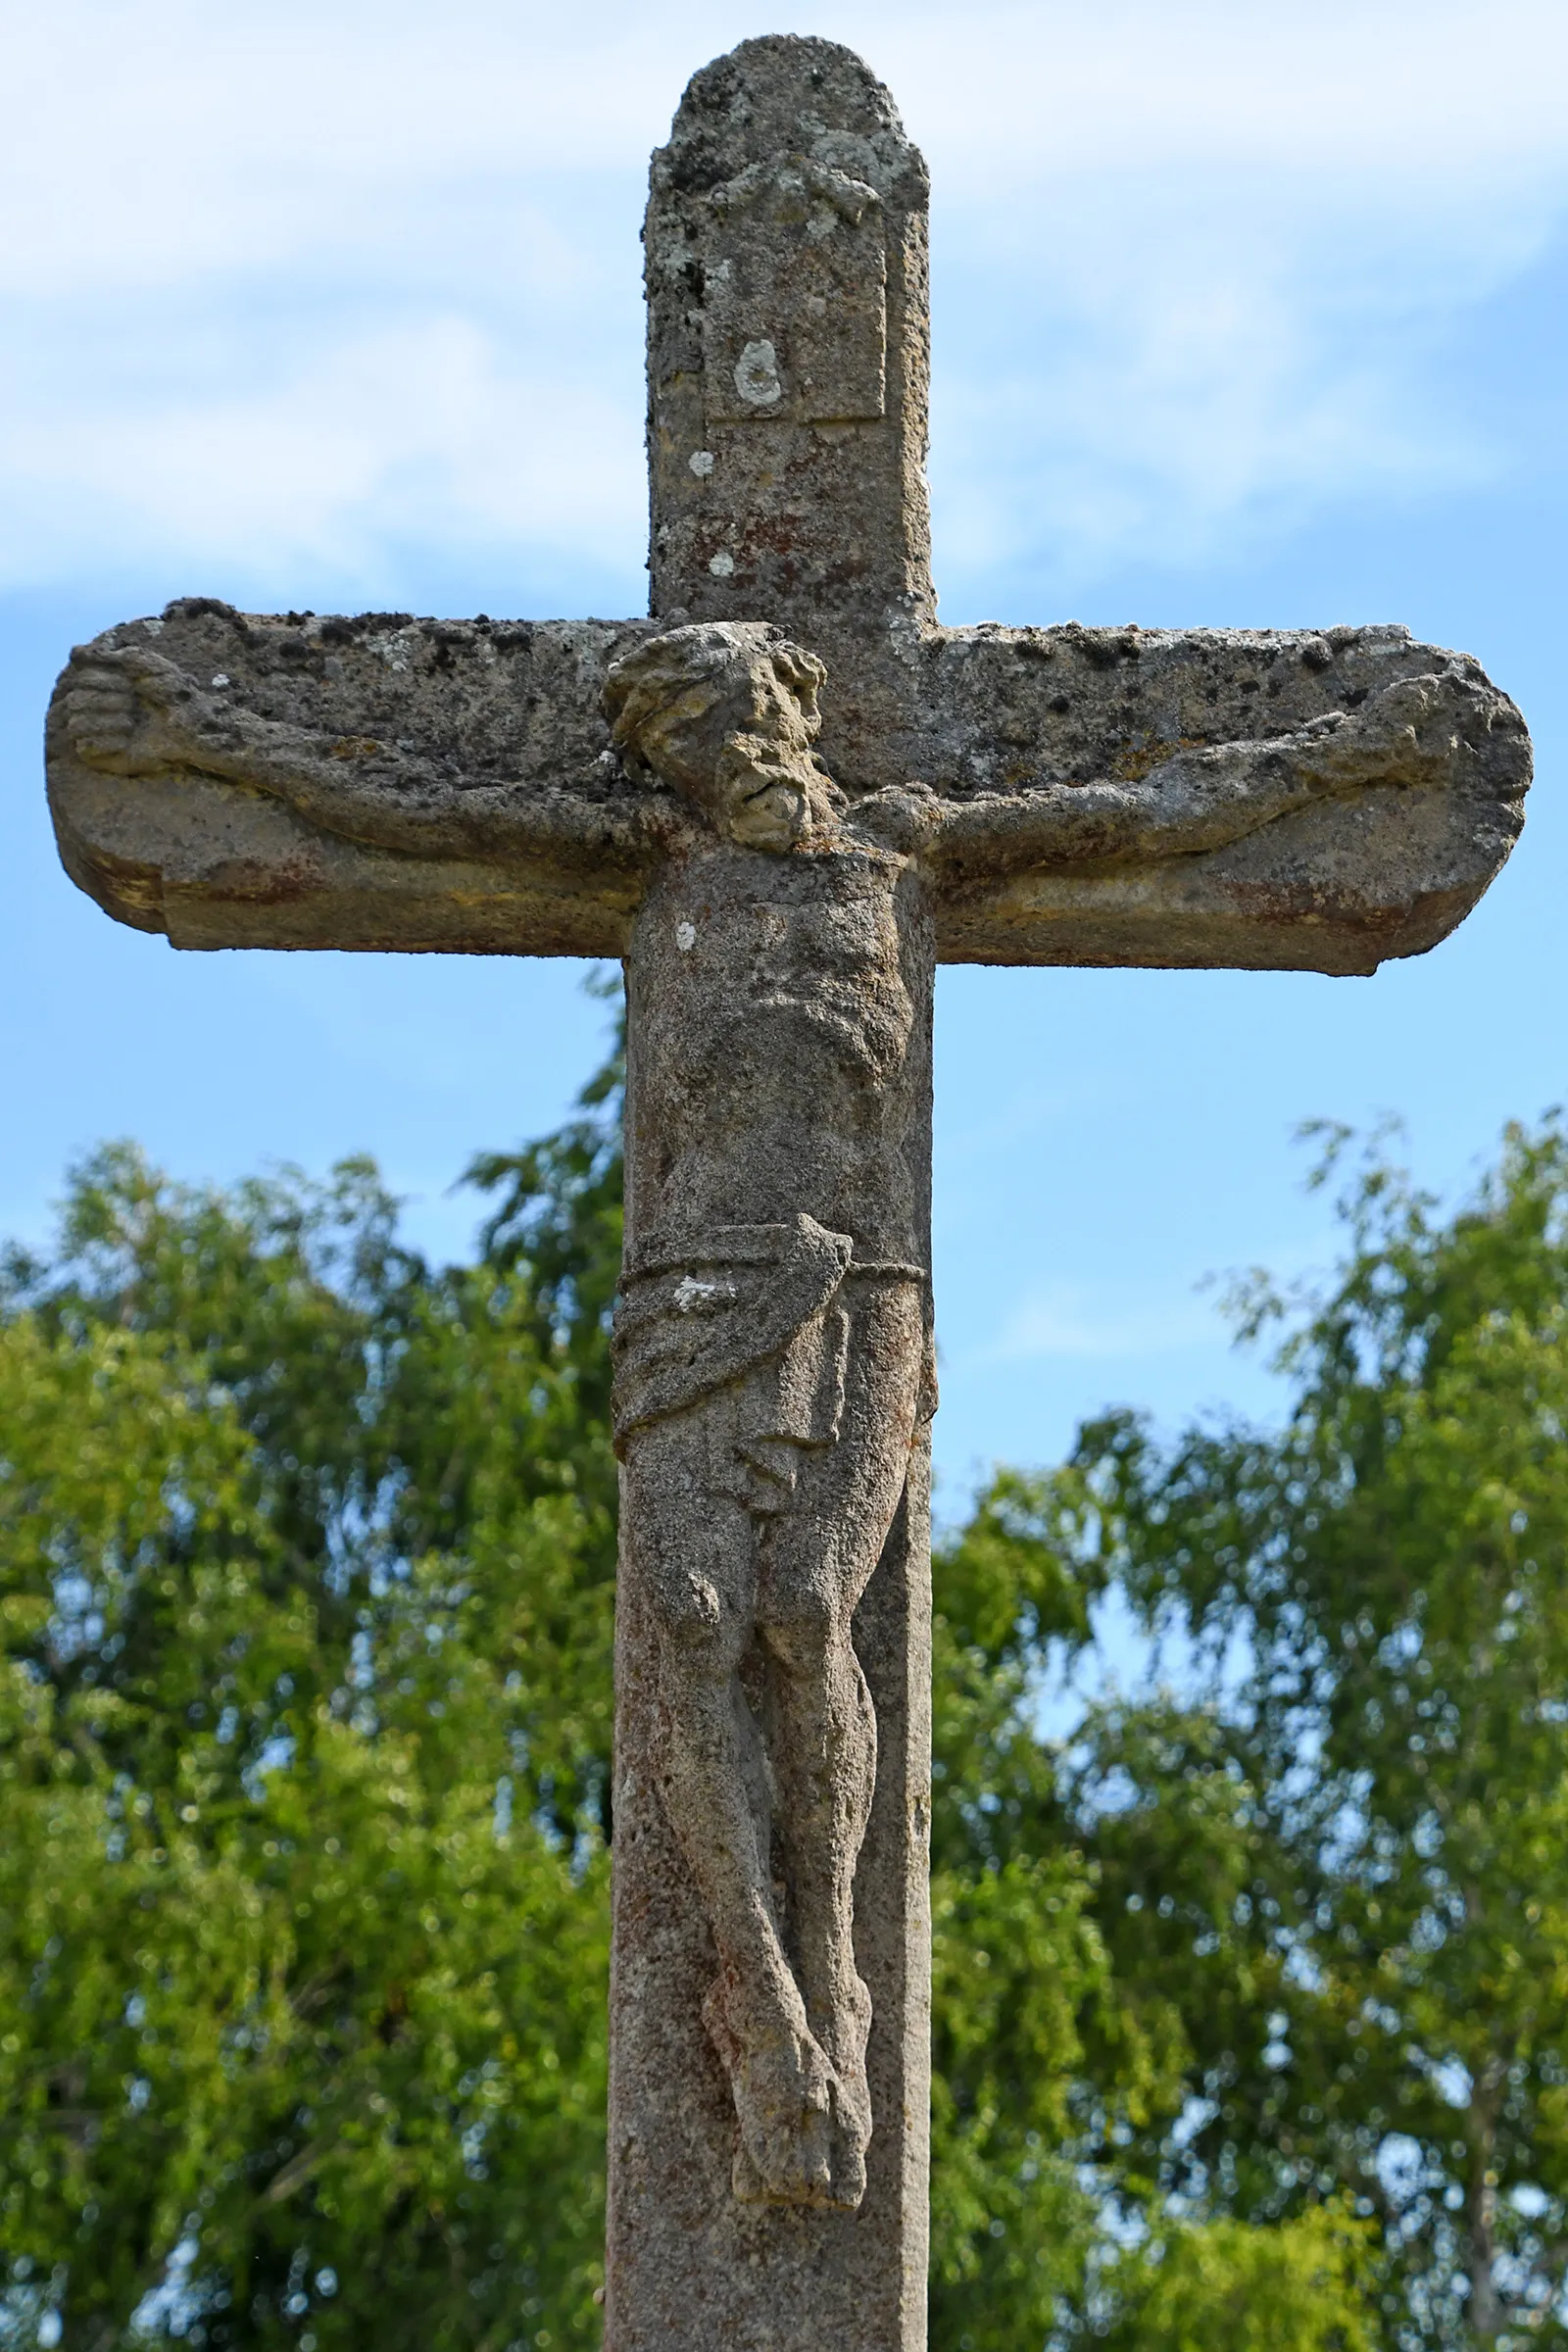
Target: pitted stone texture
(789, 356)
(690, 2267)
(771, 1391)
(788, 335)
(200, 848)
(457, 712)
(1377, 870)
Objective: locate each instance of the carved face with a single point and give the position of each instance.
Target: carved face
(748, 760)
(735, 738)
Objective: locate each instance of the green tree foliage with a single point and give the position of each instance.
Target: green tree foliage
(308, 1557)
(1086, 1950)
(1296, 2288)
(1247, 2004)
(1376, 2001)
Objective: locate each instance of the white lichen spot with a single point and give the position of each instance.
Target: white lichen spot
(701, 462)
(221, 677)
(757, 375)
(154, 628)
(690, 1292)
(906, 639)
(721, 565)
(685, 937)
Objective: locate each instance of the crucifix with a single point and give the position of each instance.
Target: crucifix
(782, 799)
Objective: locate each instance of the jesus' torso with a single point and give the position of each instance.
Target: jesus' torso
(780, 1013)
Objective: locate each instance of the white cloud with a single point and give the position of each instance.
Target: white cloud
(424, 432)
(1206, 359)
(310, 285)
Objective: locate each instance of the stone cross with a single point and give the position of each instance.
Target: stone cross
(782, 799)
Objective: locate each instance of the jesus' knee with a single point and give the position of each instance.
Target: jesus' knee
(698, 1586)
(700, 1632)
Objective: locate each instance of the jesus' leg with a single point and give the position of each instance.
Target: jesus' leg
(825, 1764)
(696, 1561)
(816, 1561)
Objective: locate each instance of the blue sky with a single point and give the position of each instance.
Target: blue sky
(1243, 314)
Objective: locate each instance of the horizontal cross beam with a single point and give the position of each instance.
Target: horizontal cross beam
(480, 717)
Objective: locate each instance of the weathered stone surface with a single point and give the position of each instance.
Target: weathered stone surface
(690, 2267)
(198, 847)
(449, 717)
(787, 215)
(772, 1655)
(773, 1352)
(783, 798)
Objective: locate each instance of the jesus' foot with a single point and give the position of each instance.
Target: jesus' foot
(849, 2135)
(784, 2100)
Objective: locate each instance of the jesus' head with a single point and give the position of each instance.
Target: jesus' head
(727, 712)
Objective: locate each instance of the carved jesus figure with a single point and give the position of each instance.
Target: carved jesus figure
(773, 1342)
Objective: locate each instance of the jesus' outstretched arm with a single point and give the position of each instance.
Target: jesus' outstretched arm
(132, 712)
(1421, 731)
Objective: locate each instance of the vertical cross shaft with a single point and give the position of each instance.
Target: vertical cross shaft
(788, 338)
(788, 373)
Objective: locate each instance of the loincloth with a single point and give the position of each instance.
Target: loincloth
(757, 1325)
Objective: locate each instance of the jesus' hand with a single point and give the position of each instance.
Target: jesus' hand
(1408, 734)
(133, 714)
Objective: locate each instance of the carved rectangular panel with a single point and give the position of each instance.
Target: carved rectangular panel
(795, 298)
